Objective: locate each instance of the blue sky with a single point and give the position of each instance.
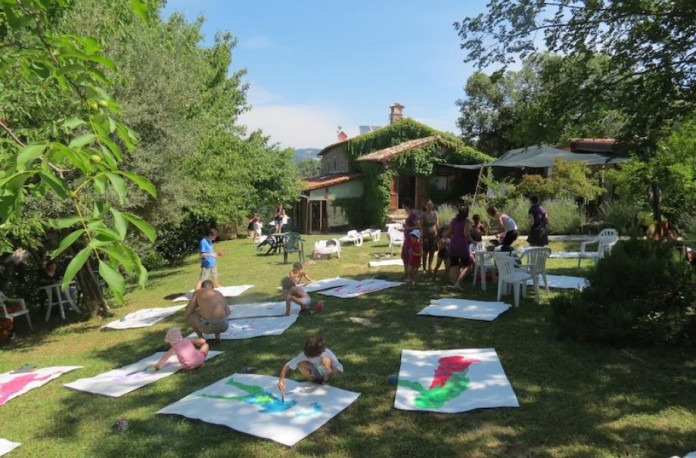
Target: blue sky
(313, 66)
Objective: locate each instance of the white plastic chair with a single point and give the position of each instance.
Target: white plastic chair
(54, 296)
(605, 240)
(483, 263)
(373, 234)
(323, 248)
(509, 275)
(536, 266)
(18, 308)
(396, 238)
(353, 236)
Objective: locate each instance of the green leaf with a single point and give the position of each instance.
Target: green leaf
(99, 183)
(65, 223)
(139, 7)
(55, 183)
(73, 123)
(113, 278)
(67, 242)
(142, 278)
(119, 185)
(82, 140)
(75, 265)
(120, 223)
(29, 153)
(141, 182)
(141, 224)
(15, 181)
(122, 259)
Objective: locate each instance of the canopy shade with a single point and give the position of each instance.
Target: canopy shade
(538, 156)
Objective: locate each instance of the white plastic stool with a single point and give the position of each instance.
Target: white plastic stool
(55, 296)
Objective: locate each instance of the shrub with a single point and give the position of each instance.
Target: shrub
(446, 212)
(619, 215)
(643, 292)
(174, 241)
(565, 217)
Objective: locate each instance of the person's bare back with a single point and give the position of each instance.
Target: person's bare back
(211, 304)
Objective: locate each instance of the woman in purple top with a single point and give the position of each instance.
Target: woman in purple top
(459, 232)
(410, 224)
(538, 220)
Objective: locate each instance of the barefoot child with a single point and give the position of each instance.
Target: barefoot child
(415, 252)
(442, 253)
(298, 273)
(293, 293)
(316, 363)
(185, 350)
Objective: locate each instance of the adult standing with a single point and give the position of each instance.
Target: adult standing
(538, 220)
(508, 227)
(279, 218)
(209, 259)
(410, 224)
(459, 233)
(430, 224)
(207, 311)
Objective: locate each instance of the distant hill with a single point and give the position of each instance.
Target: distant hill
(306, 153)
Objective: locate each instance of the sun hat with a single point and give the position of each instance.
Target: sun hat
(416, 233)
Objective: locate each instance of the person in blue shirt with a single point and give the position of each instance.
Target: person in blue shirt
(209, 259)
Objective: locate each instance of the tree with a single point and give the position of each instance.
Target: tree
(60, 135)
(650, 47)
(308, 168)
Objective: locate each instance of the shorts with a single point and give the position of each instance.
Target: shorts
(459, 261)
(443, 254)
(208, 272)
(306, 302)
(206, 326)
(429, 243)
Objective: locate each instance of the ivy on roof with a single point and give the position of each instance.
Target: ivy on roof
(407, 129)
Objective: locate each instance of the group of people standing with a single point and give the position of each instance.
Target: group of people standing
(425, 235)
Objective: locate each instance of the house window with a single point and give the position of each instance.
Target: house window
(441, 183)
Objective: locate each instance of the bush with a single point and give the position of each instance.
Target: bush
(565, 217)
(619, 215)
(174, 241)
(446, 213)
(642, 293)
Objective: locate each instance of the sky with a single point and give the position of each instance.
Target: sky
(314, 66)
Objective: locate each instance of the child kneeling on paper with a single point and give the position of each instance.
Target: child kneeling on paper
(316, 363)
(185, 350)
(294, 293)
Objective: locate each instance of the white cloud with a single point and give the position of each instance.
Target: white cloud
(296, 126)
(257, 42)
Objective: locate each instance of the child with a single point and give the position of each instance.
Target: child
(298, 273)
(294, 293)
(415, 252)
(442, 253)
(477, 229)
(316, 363)
(185, 349)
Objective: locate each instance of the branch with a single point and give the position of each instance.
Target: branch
(11, 134)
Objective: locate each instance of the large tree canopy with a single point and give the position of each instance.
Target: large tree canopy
(650, 44)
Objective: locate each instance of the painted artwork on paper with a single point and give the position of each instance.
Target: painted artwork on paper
(247, 328)
(326, 283)
(465, 308)
(143, 318)
(117, 382)
(360, 287)
(563, 282)
(16, 384)
(261, 309)
(452, 381)
(7, 446)
(253, 404)
(227, 291)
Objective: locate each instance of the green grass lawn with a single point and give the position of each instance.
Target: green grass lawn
(575, 399)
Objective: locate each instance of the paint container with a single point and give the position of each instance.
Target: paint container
(320, 306)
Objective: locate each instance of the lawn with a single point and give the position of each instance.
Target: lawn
(575, 399)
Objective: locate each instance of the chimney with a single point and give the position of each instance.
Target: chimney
(397, 113)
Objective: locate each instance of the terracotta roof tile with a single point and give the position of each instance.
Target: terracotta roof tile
(387, 154)
(329, 180)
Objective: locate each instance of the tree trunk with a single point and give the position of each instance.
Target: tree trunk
(657, 214)
(93, 297)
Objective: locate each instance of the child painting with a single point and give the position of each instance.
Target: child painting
(415, 253)
(191, 353)
(316, 363)
(293, 293)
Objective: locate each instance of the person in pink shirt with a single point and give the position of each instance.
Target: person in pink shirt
(186, 350)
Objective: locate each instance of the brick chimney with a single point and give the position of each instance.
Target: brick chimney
(397, 113)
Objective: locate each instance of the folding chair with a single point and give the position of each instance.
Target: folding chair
(14, 307)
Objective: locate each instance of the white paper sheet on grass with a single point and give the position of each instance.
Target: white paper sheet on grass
(7, 446)
(13, 385)
(563, 282)
(227, 291)
(247, 328)
(465, 308)
(252, 404)
(261, 309)
(388, 262)
(326, 283)
(360, 287)
(117, 382)
(143, 318)
(452, 381)
(573, 254)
